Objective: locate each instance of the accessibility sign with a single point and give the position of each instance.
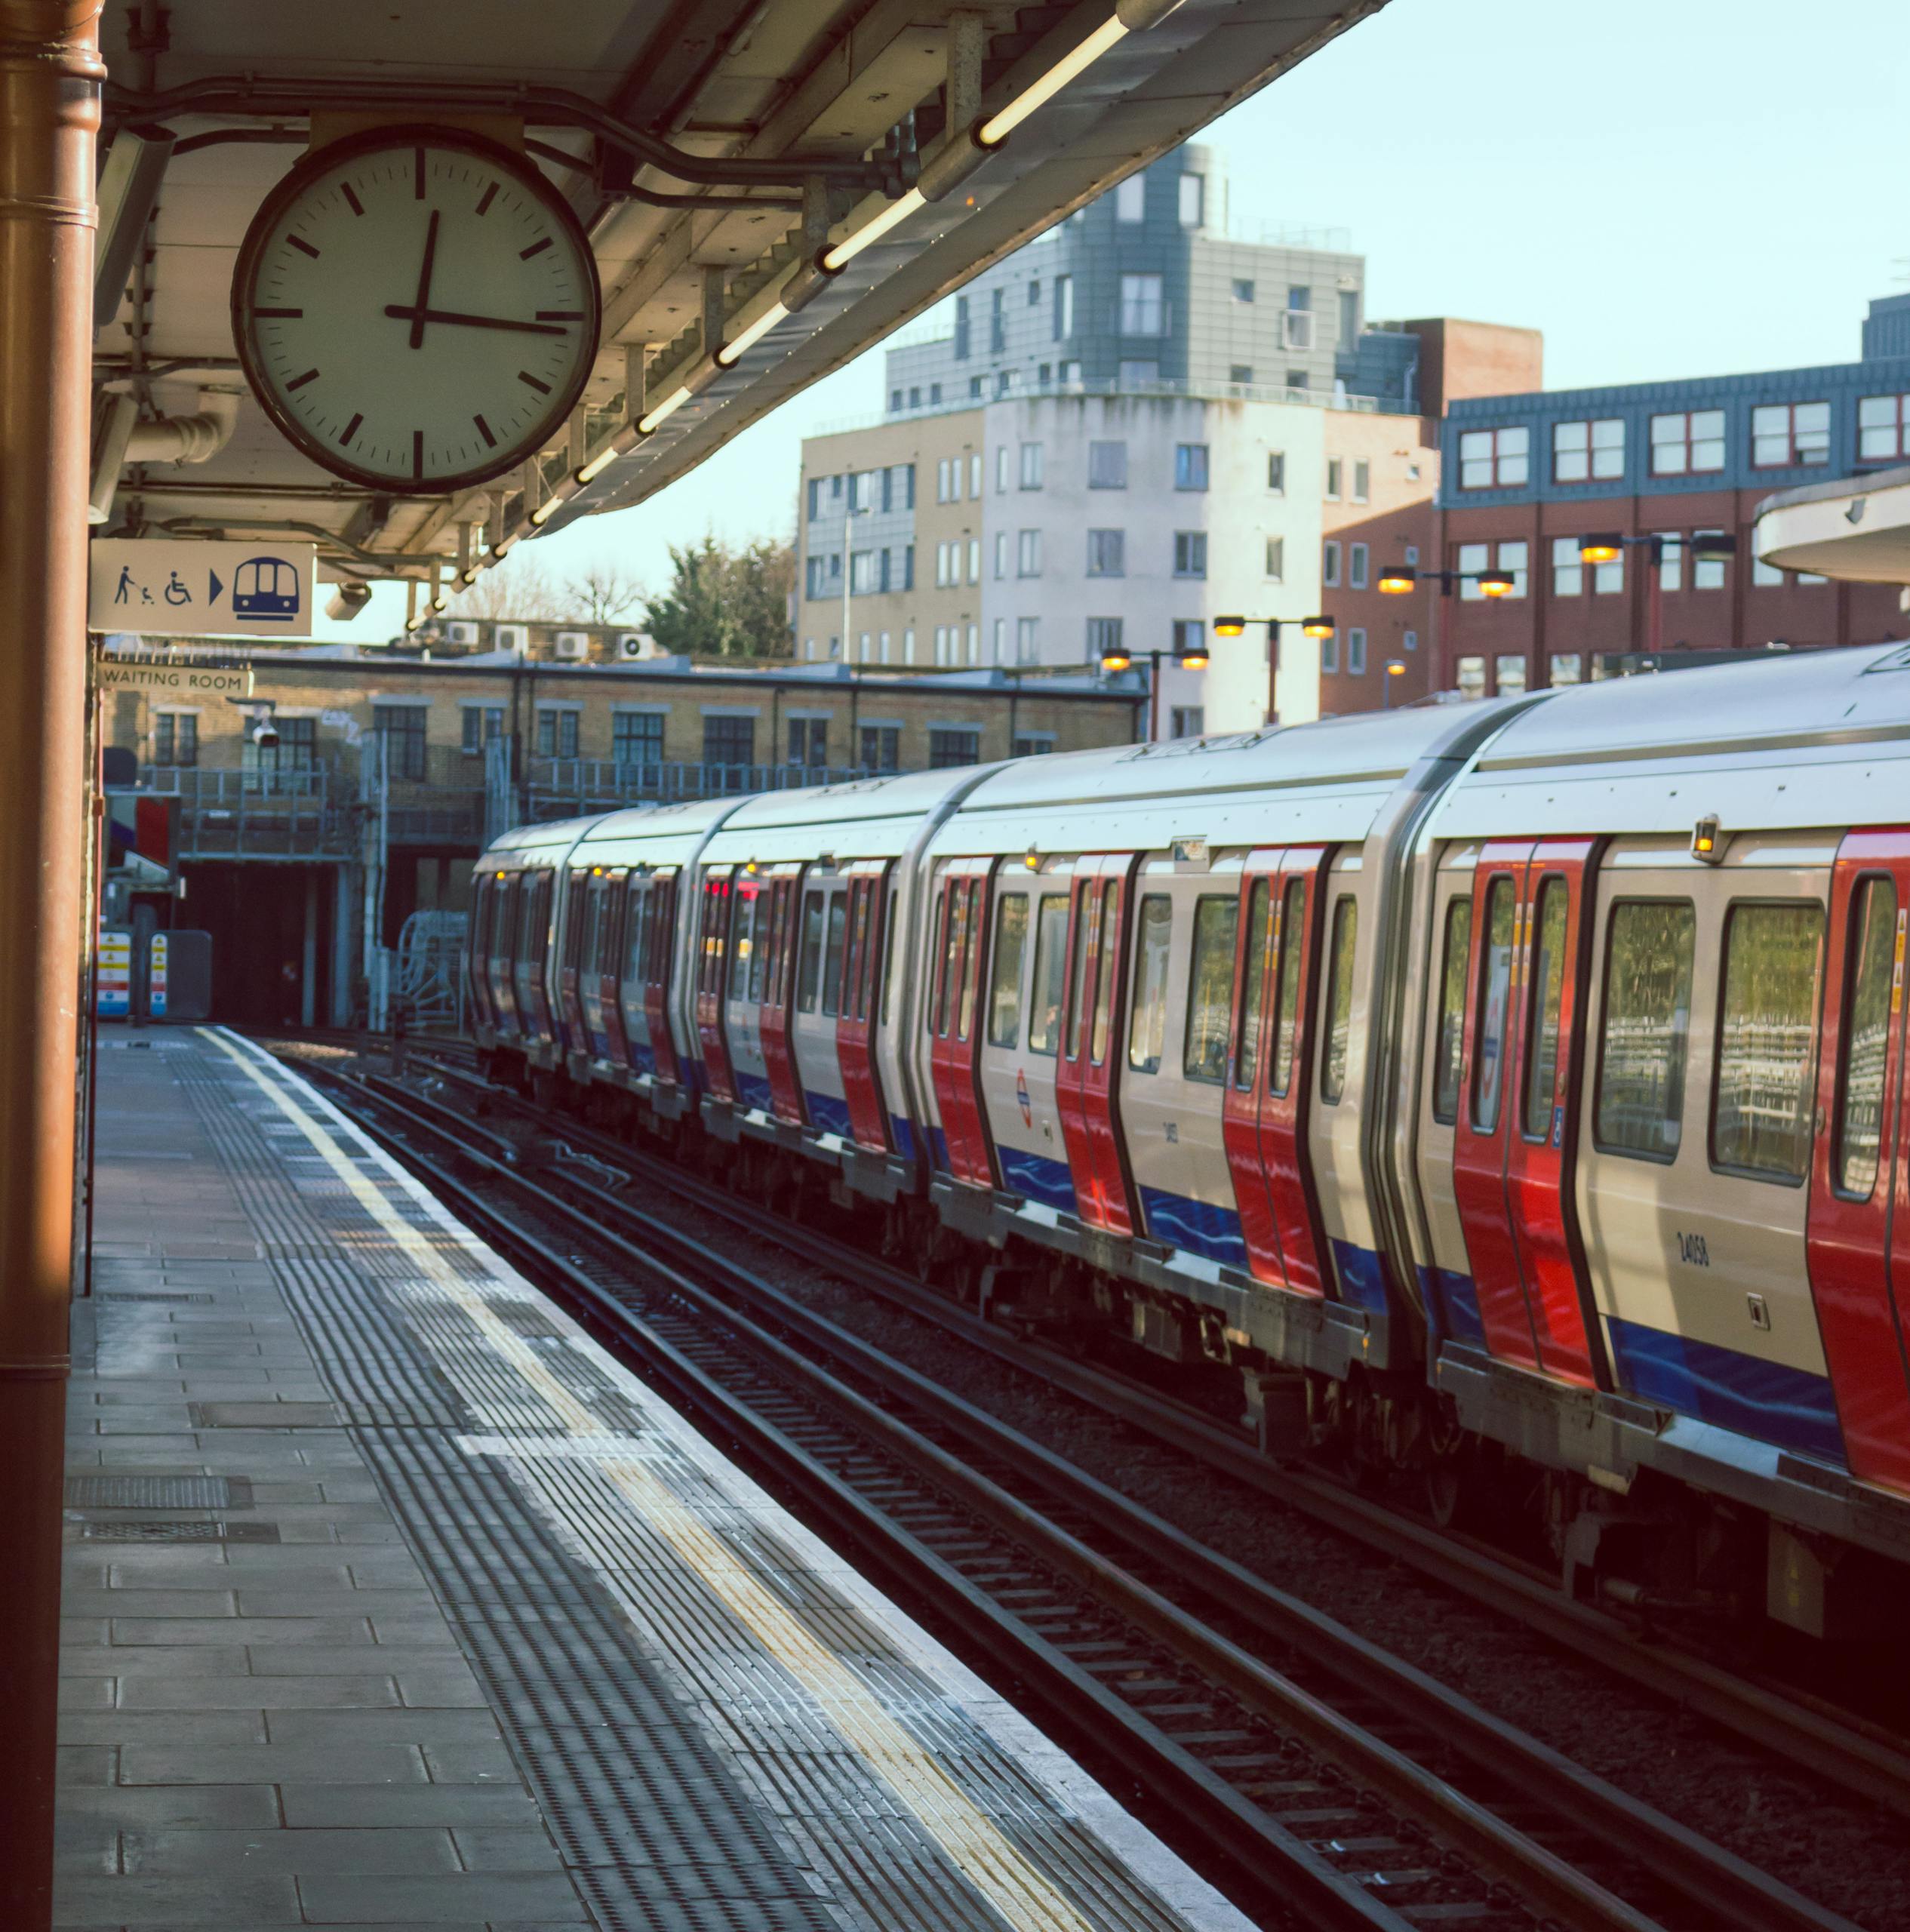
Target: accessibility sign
(170, 587)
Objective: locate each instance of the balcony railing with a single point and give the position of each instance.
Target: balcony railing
(234, 813)
(560, 787)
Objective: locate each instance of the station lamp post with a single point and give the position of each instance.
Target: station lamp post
(1395, 668)
(1315, 626)
(1607, 546)
(1402, 579)
(1193, 657)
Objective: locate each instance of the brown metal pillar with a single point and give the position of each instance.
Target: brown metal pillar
(49, 76)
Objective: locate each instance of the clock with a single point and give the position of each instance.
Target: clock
(416, 308)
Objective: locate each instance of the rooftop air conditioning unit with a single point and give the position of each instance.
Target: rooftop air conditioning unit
(1297, 328)
(460, 632)
(510, 638)
(630, 644)
(573, 644)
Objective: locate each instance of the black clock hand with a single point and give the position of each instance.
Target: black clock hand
(424, 283)
(419, 316)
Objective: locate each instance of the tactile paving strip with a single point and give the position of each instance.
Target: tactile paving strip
(821, 1777)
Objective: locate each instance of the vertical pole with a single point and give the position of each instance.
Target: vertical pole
(1154, 697)
(308, 964)
(97, 857)
(1273, 673)
(50, 76)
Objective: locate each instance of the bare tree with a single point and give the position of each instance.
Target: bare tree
(601, 593)
(521, 588)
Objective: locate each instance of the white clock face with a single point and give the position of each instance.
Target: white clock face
(417, 310)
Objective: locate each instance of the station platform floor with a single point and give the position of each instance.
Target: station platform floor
(393, 1601)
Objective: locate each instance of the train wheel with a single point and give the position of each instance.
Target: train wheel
(1449, 1469)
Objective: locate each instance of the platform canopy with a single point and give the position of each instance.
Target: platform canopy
(714, 152)
(1856, 530)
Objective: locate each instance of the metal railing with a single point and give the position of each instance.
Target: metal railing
(1174, 386)
(235, 812)
(560, 787)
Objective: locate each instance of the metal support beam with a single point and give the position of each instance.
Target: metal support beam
(50, 79)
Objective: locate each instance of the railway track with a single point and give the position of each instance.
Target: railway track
(1865, 1763)
(1329, 1780)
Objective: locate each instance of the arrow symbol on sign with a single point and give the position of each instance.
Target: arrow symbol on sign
(212, 595)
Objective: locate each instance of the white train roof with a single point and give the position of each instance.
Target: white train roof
(1819, 737)
(865, 818)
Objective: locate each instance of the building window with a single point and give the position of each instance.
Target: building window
(1768, 576)
(974, 560)
(1240, 373)
(729, 741)
(1882, 428)
(836, 489)
(974, 388)
(1277, 472)
(1494, 459)
(1130, 199)
(1242, 290)
(1608, 580)
(483, 723)
(908, 567)
(1568, 567)
(1190, 465)
(1107, 553)
(1192, 200)
(1007, 382)
(1707, 573)
(1330, 564)
(1514, 559)
(1001, 469)
(1189, 634)
(557, 734)
(298, 743)
(934, 397)
(1103, 638)
(1508, 673)
(1064, 307)
(1330, 654)
(1031, 466)
(1035, 294)
(1671, 559)
(961, 329)
(1143, 306)
(815, 497)
(1190, 553)
(1107, 466)
(948, 746)
(1357, 557)
(881, 747)
(1356, 652)
(1787, 434)
(1362, 482)
(1688, 442)
(864, 572)
(1471, 673)
(997, 331)
(1001, 640)
(1139, 375)
(975, 474)
(1409, 640)
(1297, 379)
(1001, 555)
(1028, 554)
(1589, 451)
(1044, 375)
(1033, 744)
(1188, 721)
(1336, 473)
(637, 737)
(1070, 373)
(1297, 325)
(1276, 558)
(1567, 667)
(915, 396)
(175, 738)
(808, 743)
(1028, 640)
(402, 727)
(895, 399)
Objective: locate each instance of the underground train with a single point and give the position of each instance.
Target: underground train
(1510, 1094)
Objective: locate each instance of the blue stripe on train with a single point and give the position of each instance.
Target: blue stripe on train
(1452, 1307)
(1362, 1280)
(1788, 1406)
(903, 1133)
(1039, 1177)
(938, 1149)
(827, 1112)
(754, 1092)
(1196, 1227)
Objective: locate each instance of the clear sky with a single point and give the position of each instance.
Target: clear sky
(1666, 188)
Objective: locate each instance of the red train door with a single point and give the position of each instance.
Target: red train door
(612, 910)
(572, 1035)
(1298, 918)
(1515, 1142)
(660, 949)
(779, 993)
(1859, 1211)
(855, 1029)
(961, 929)
(1254, 972)
(1085, 1094)
(712, 934)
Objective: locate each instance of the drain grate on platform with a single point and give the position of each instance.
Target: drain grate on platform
(130, 1492)
(175, 1530)
(145, 1294)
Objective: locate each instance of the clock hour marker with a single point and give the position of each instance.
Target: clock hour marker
(277, 315)
(298, 382)
(351, 200)
(484, 430)
(417, 173)
(525, 376)
(560, 314)
(490, 195)
(352, 429)
(299, 243)
(536, 248)
(417, 455)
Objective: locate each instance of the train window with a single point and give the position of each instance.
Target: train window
(1078, 993)
(1211, 989)
(1106, 942)
(1866, 1037)
(1449, 1042)
(742, 914)
(812, 951)
(888, 953)
(1291, 940)
(1761, 1105)
(1050, 957)
(593, 928)
(1644, 1031)
(1339, 998)
(1260, 950)
(857, 1005)
(1495, 994)
(759, 945)
(1005, 985)
(971, 966)
(1147, 1032)
(637, 958)
(838, 930)
(1548, 1006)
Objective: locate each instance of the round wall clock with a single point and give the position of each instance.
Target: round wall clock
(416, 308)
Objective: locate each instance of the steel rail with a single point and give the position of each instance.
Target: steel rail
(1701, 1874)
(1868, 1766)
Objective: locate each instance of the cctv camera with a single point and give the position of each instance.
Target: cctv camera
(265, 735)
(347, 601)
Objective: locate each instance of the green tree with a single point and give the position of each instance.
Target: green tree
(688, 618)
(761, 579)
(725, 603)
